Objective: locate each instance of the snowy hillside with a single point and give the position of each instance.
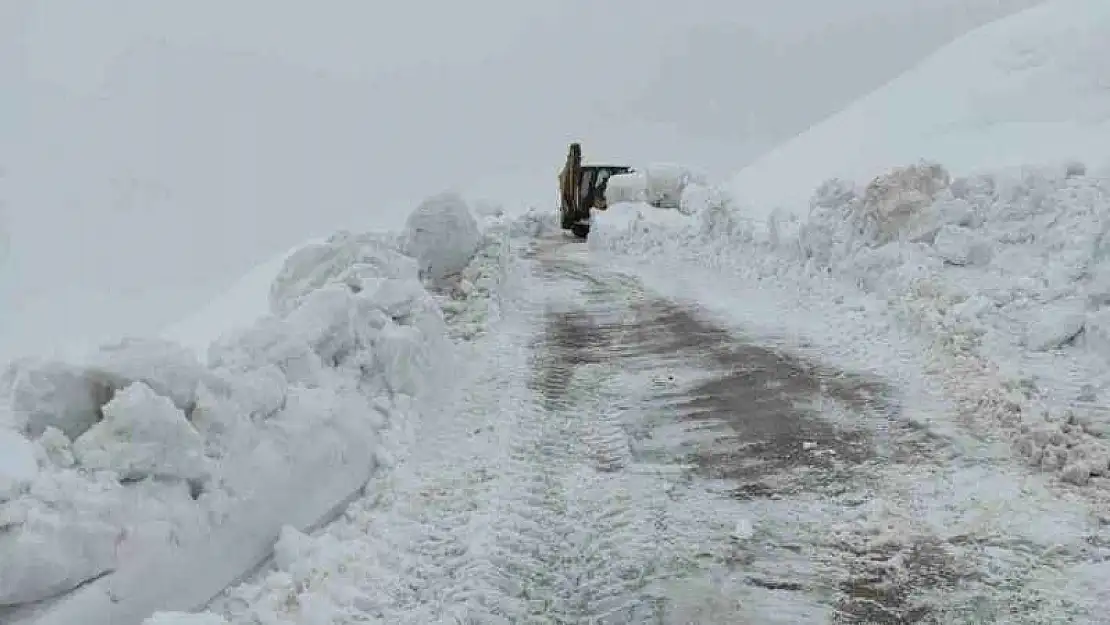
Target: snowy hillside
(1026, 89)
(1003, 269)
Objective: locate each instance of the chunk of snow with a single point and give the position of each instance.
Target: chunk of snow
(621, 224)
(743, 530)
(269, 345)
(1098, 288)
(660, 185)
(54, 394)
(143, 435)
(169, 369)
(1055, 325)
(895, 204)
(18, 464)
(442, 235)
(535, 222)
(57, 448)
(1096, 333)
(972, 308)
(698, 198)
(665, 183)
(960, 246)
(630, 187)
(46, 553)
(344, 258)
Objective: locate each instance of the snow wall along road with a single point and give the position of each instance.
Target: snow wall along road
(154, 479)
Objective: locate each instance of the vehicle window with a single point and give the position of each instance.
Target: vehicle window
(602, 176)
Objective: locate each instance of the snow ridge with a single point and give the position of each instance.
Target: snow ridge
(1001, 272)
(144, 452)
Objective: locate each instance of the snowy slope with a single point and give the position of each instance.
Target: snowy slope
(1003, 268)
(1029, 88)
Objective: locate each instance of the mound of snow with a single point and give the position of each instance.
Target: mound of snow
(622, 227)
(442, 235)
(1011, 276)
(1028, 88)
(143, 435)
(18, 463)
(660, 185)
(1006, 272)
(345, 257)
(43, 394)
(535, 222)
(141, 455)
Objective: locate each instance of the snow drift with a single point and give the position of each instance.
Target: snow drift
(934, 212)
(144, 451)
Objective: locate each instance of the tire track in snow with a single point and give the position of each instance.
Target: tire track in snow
(571, 546)
(822, 461)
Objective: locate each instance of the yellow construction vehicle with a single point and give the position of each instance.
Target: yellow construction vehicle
(582, 188)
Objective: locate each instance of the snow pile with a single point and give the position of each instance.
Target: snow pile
(143, 448)
(535, 223)
(634, 228)
(1007, 273)
(1010, 268)
(660, 185)
(442, 235)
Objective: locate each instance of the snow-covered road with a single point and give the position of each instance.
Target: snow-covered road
(612, 456)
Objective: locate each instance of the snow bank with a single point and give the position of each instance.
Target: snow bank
(143, 453)
(1007, 273)
(1009, 268)
(659, 185)
(1028, 88)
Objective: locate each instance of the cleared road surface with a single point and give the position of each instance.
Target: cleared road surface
(613, 457)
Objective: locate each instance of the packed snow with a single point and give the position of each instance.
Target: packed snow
(144, 450)
(1003, 268)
